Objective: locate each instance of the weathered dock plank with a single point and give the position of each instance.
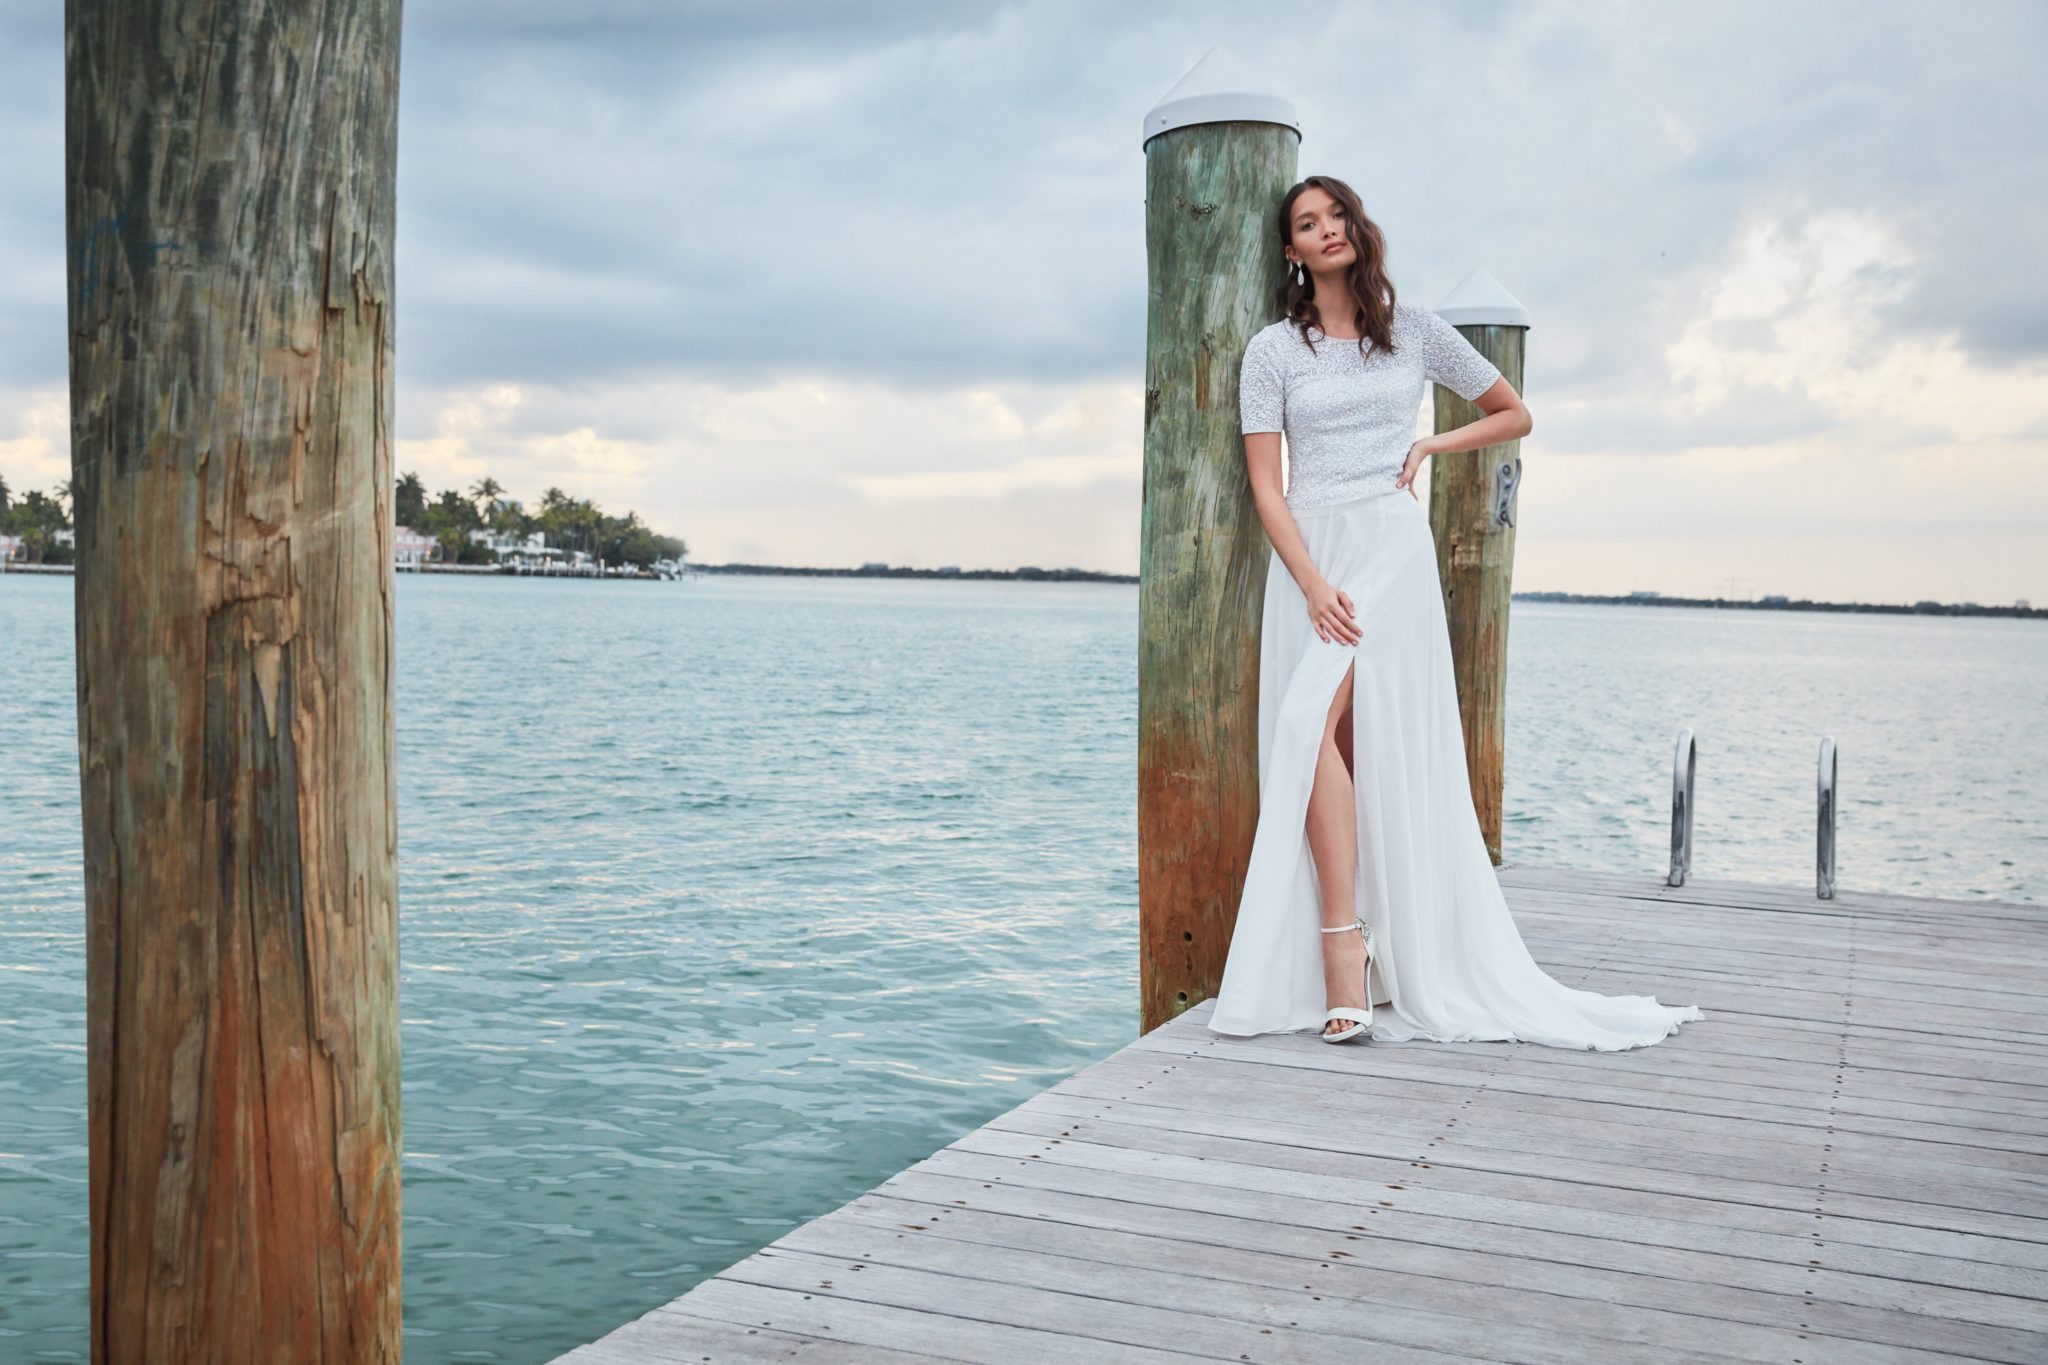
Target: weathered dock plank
(1846, 1160)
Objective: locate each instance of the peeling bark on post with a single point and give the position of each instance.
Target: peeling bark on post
(229, 185)
(1476, 561)
(1210, 192)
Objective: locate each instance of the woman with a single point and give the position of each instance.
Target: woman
(1366, 828)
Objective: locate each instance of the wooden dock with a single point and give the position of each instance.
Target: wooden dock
(1846, 1160)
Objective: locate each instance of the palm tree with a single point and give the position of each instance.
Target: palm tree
(456, 510)
(484, 492)
(412, 500)
(507, 516)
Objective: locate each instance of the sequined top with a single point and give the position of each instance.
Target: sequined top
(1349, 418)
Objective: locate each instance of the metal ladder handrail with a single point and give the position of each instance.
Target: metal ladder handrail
(1681, 809)
(1824, 839)
(1683, 764)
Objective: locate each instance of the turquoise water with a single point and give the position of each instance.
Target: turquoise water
(725, 900)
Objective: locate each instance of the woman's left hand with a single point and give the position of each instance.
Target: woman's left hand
(1417, 453)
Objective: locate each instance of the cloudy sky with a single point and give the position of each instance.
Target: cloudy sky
(825, 283)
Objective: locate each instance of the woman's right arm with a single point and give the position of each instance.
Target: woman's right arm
(1330, 610)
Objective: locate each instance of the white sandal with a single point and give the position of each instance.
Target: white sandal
(1363, 1017)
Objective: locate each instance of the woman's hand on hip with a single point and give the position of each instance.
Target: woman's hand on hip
(1331, 613)
(1417, 453)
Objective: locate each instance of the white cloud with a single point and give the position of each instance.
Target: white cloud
(38, 455)
(1068, 472)
(801, 470)
(1804, 305)
(1865, 478)
(837, 283)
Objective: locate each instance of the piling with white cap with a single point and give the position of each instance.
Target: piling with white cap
(1472, 513)
(1220, 151)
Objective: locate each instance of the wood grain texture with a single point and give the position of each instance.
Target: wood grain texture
(1211, 266)
(1476, 565)
(1843, 1162)
(229, 185)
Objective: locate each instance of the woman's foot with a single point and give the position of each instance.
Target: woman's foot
(1344, 967)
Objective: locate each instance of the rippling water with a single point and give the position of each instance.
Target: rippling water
(724, 901)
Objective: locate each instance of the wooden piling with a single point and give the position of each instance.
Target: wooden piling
(229, 184)
(1218, 156)
(1475, 549)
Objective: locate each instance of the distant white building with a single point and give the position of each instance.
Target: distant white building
(504, 543)
(411, 549)
(10, 546)
(529, 552)
(525, 552)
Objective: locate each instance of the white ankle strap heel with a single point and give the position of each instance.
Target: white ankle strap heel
(1362, 1017)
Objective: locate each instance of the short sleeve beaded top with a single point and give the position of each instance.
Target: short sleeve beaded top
(1350, 418)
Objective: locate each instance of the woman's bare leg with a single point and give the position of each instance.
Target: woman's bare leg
(1333, 842)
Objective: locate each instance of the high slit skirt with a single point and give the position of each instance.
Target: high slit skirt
(1448, 962)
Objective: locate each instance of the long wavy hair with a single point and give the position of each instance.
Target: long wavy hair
(1370, 284)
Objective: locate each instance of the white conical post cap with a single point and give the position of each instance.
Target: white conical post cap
(1220, 88)
(1480, 299)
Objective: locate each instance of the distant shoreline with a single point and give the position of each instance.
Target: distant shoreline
(1925, 608)
(1033, 574)
(1029, 573)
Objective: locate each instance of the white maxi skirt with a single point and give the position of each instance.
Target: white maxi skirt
(1448, 963)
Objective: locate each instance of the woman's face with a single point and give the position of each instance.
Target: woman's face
(1318, 239)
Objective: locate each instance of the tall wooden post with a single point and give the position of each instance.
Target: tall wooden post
(1471, 509)
(1219, 153)
(229, 180)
